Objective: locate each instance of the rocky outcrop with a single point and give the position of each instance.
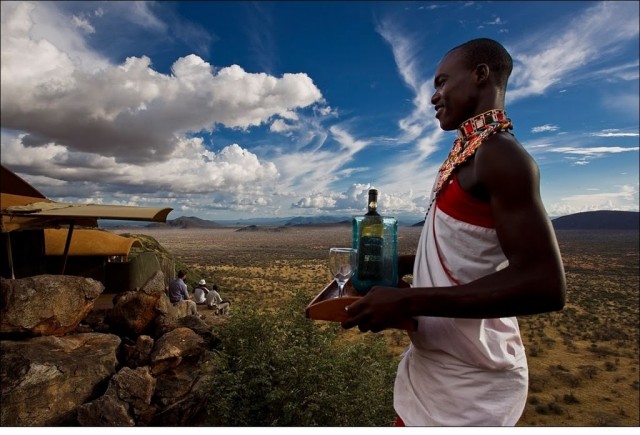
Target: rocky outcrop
(44, 379)
(138, 312)
(46, 304)
(127, 400)
(148, 365)
(173, 347)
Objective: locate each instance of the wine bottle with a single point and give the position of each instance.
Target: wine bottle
(370, 252)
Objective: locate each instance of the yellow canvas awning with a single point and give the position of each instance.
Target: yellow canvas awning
(24, 207)
(87, 242)
(51, 214)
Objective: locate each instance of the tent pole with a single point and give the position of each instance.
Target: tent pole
(10, 255)
(66, 248)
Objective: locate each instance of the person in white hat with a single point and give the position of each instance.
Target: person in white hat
(200, 292)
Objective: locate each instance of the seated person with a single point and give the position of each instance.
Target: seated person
(178, 293)
(215, 302)
(200, 292)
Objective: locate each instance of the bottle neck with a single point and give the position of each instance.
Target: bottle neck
(372, 206)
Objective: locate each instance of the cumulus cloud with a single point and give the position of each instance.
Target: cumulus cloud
(110, 110)
(126, 127)
(354, 201)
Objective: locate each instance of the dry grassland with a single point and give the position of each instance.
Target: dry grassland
(583, 361)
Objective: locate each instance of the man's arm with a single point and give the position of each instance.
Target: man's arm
(534, 280)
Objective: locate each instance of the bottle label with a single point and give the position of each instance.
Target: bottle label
(370, 259)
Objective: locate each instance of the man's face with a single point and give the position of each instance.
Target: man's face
(455, 95)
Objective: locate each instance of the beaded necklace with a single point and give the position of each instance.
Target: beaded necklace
(471, 134)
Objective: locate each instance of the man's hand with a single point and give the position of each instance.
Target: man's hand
(381, 308)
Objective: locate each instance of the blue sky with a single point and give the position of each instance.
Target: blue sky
(231, 110)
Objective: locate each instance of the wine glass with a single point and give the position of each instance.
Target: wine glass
(342, 264)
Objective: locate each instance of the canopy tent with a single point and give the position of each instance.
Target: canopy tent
(23, 207)
(51, 214)
(88, 242)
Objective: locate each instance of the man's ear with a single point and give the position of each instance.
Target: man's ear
(482, 72)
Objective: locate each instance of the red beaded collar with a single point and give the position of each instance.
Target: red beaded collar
(471, 134)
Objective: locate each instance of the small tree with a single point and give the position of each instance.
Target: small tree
(281, 369)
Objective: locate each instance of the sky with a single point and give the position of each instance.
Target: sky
(238, 110)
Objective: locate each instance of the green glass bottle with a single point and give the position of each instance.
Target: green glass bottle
(370, 247)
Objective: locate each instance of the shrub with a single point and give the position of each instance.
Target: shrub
(570, 399)
(281, 369)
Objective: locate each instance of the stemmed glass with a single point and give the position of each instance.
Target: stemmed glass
(342, 264)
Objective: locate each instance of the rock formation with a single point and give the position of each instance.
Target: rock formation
(142, 362)
(46, 304)
(44, 379)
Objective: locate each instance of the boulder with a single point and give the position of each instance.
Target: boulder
(138, 353)
(106, 411)
(196, 324)
(134, 312)
(45, 304)
(173, 347)
(168, 312)
(181, 392)
(142, 310)
(45, 379)
(126, 402)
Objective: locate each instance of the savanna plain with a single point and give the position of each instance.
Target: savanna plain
(583, 360)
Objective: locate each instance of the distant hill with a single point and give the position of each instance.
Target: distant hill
(316, 220)
(263, 229)
(593, 220)
(186, 222)
(589, 220)
(599, 220)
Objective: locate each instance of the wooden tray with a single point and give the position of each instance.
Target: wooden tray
(328, 306)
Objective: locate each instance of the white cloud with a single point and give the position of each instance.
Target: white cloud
(497, 21)
(91, 129)
(593, 151)
(614, 132)
(405, 53)
(130, 110)
(581, 43)
(280, 126)
(544, 128)
(625, 198)
(83, 23)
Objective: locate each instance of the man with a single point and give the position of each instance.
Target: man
(178, 293)
(215, 301)
(487, 253)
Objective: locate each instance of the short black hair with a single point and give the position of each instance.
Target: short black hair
(182, 274)
(490, 52)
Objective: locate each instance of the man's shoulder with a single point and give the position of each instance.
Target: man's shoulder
(504, 138)
(501, 147)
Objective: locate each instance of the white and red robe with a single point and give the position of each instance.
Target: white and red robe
(460, 372)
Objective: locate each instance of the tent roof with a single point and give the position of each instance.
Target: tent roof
(87, 242)
(22, 206)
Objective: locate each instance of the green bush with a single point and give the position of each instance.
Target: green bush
(280, 369)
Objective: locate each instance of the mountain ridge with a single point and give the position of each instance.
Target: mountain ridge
(589, 220)
(599, 220)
